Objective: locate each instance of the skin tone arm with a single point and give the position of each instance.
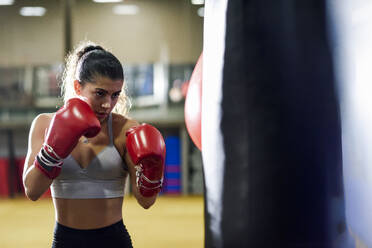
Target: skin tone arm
(34, 181)
(145, 202)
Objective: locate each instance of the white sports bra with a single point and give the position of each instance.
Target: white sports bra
(104, 177)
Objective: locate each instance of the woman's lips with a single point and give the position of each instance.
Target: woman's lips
(101, 115)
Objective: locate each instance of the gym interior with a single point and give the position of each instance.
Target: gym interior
(158, 43)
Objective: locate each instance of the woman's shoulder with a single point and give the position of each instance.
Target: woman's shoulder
(40, 124)
(44, 116)
(121, 123)
(42, 120)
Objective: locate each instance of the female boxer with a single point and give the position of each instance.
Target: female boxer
(85, 151)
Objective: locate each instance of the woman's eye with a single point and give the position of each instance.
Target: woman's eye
(99, 93)
(116, 95)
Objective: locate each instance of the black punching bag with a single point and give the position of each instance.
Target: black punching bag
(271, 132)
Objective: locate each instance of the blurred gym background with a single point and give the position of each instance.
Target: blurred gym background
(158, 43)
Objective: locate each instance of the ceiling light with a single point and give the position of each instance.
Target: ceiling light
(125, 9)
(107, 1)
(201, 12)
(6, 2)
(32, 11)
(197, 2)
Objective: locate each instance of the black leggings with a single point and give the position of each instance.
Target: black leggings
(112, 236)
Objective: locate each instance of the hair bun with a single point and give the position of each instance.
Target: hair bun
(88, 49)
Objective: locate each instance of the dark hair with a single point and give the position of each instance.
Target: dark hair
(94, 61)
(87, 62)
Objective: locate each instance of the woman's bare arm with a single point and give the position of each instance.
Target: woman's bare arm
(34, 181)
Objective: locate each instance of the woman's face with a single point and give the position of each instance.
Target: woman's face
(102, 95)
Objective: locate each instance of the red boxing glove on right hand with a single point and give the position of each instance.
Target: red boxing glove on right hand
(146, 148)
(73, 120)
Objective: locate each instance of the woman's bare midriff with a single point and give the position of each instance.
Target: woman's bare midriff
(88, 213)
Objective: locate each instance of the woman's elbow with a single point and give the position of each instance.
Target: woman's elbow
(32, 195)
(35, 185)
(31, 191)
(146, 203)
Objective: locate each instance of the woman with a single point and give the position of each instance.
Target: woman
(85, 151)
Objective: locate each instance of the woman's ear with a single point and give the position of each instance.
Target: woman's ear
(77, 87)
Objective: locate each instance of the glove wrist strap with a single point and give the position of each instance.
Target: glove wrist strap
(48, 162)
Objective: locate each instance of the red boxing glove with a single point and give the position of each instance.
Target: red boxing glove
(73, 120)
(146, 148)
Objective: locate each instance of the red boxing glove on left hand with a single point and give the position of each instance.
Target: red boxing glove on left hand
(146, 148)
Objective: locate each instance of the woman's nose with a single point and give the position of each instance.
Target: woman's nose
(106, 105)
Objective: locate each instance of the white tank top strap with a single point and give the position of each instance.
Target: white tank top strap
(110, 133)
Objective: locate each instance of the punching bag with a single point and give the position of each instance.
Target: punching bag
(351, 42)
(193, 103)
(271, 131)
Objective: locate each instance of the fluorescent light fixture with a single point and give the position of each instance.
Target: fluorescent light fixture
(6, 2)
(32, 11)
(107, 1)
(201, 12)
(197, 2)
(122, 9)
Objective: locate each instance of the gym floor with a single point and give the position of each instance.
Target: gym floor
(172, 222)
